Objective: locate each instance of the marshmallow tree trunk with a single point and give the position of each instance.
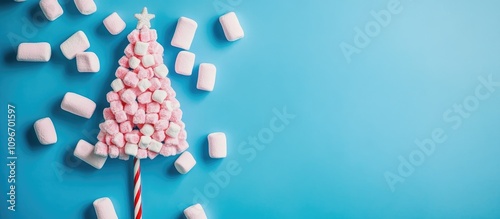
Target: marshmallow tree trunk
(143, 119)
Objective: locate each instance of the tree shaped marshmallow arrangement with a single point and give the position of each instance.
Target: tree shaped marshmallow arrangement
(144, 117)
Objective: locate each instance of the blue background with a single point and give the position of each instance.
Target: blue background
(353, 120)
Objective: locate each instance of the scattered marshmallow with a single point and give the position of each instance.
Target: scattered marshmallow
(76, 43)
(206, 77)
(104, 208)
(141, 48)
(34, 52)
(231, 27)
(114, 24)
(159, 96)
(86, 7)
(173, 130)
(185, 162)
(184, 33)
(87, 62)
(45, 131)
(195, 212)
(184, 63)
(85, 151)
(51, 9)
(217, 146)
(117, 85)
(78, 105)
(131, 149)
(161, 71)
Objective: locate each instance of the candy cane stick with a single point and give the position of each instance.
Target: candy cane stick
(137, 189)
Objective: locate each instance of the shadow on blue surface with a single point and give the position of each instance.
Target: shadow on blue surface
(90, 212)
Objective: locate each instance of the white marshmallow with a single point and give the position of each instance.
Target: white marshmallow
(155, 146)
(51, 9)
(104, 208)
(34, 52)
(141, 48)
(114, 24)
(231, 27)
(217, 145)
(144, 142)
(159, 96)
(173, 130)
(169, 105)
(148, 60)
(195, 212)
(184, 63)
(134, 62)
(131, 149)
(144, 84)
(184, 33)
(161, 71)
(147, 130)
(206, 77)
(86, 7)
(117, 85)
(76, 43)
(87, 62)
(85, 151)
(78, 105)
(45, 131)
(185, 162)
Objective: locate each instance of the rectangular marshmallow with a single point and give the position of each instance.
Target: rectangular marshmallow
(184, 63)
(206, 77)
(217, 146)
(184, 33)
(87, 62)
(195, 212)
(33, 52)
(104, 208)
(78, 105)
(114, 23)
(51, 9)
(45, 131)
(185, 162)
(76, 43)
(231, 27)
(85, 151)
(86, 7)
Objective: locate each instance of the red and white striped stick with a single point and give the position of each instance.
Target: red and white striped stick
(137, 189)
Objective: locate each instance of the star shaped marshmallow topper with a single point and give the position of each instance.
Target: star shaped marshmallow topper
(144, 18)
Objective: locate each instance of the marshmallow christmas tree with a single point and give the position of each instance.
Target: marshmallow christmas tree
(144, 118)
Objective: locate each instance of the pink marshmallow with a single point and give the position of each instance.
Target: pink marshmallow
(108, 114)
(120, 116)
(86, 7)
(107, 139)
(152, 154)
(184, 33)
(133, 36)
(131, 109)
(76, 43)
(123, 155)
(124, 62)
(118, 139)
(155, 84)
(33, 52)
(101, 136)
(168, 151)
(153, 35)
(87, 62)
(231, 27)
(217, 146)
(132, 138)
(153, 107)
(145, 98)
(182, 135)
(85, 151)
(183, 145)
(139, 117)
(128, 96)
(104, 208)
(114, 23)
(51, 9)
(151, 118)
(101, 149)
(113, 152)
(161, 124)
(110, 127)
(158, 59)
(165, 114)
(121, 72)
(116, 106)
(126, 127)
(131, 79)
(78, 105)
(142, 153)
(129, 51)
(185, 162)
(155, 48)
(206, 77)
(184, 63)
(158, 135)
(112, 96)
(176, 115)
(195, 212)
(45, 131)
(144, 35)
(143, 73)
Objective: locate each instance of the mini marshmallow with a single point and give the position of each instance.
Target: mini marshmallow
(113, 152)
(185, 162)
(173, 130)
(217, 146)
(117, 85)
(116, 106)
(159, 135)
(144, 34)
(126, 127)
(231, 27)
(110, 127)
(120, 116)
(85, 151)
(87, 62)
(134, 62)
(206, 77)
(141, 48)
(161, 124)
(104, 208)
(118, 139)
(76, 43)
(195, 212)
(51, 9)
(147, 130)
(112, 96)
(145, 98)
(155, 146)
(132, 138)
(101, 149)
(159, 96)
(121, 72)
(161, 71)
(33, 52)
(184, 33)
(142, 153)
(148, 60)
(139, 117)
(133, 36)
(184, 63)
(128, 96)
(86, 7)
(131, 108)
(155, 84)
(124, 62)
(151, 118)
(131, 79)
(45, 131)
(114, 24)
(144, 142)
(153, 107)
(78, 105)
(131, 149)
